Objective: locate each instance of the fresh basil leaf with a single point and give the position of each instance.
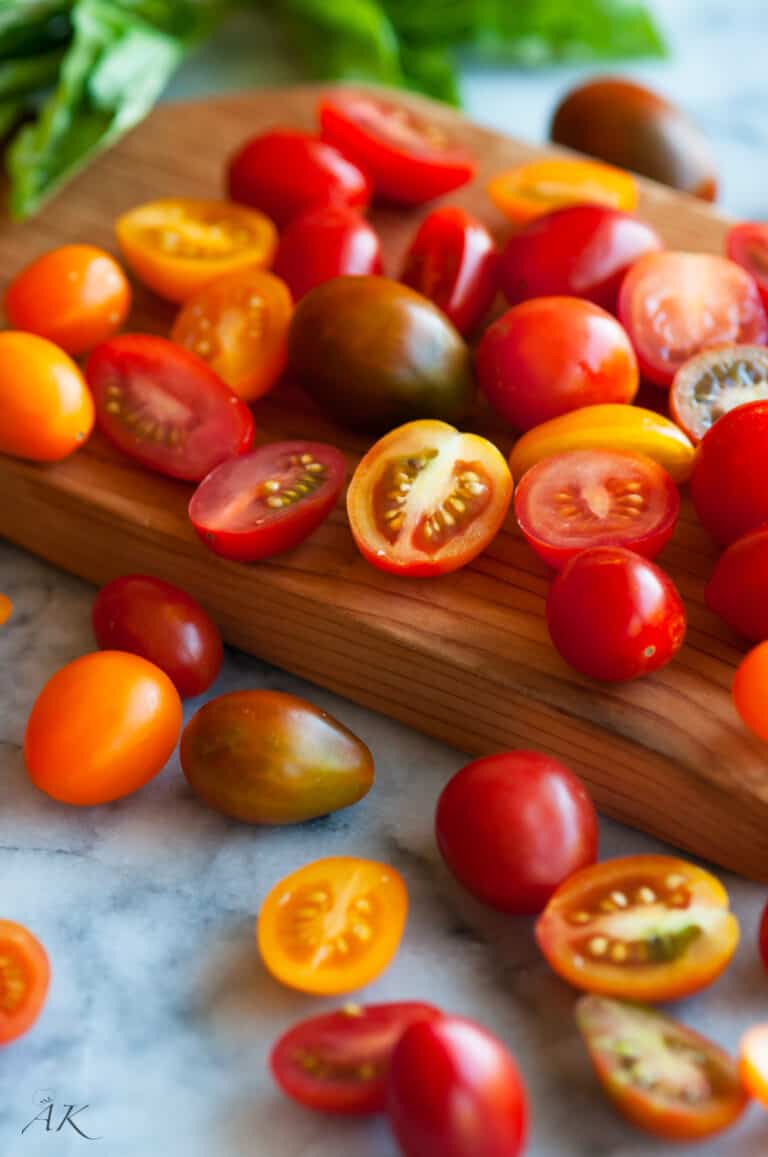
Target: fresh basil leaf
(11, 112)
(32, 26)
(431, 71)
(344, 40)
(29, 74)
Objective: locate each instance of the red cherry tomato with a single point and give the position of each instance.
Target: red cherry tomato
(552, 355)
(763, 938)
(512, 827)
(729, 483)
(165, 407)
(338, 1062)
(452, 260)
(161, 623)
(750, 690)
(736, 591)
(285, 172)
(409, 160)
(599, 497)
(675, 304)
(325, 243)
(268, 501)
(579, 251)
(613, 615)
(454, 1090)
(747, 245)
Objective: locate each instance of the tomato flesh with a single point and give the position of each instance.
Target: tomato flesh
(538, 187)
(24, 979)
(729, 483)
(747, 245)
(714, 382)
(323, 243)
(736, 591)
(750, 690)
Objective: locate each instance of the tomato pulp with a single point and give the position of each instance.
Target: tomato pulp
(714, 382)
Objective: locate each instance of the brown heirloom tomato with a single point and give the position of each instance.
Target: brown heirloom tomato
(266, 757)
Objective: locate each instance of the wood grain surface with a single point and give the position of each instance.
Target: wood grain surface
(465, 658)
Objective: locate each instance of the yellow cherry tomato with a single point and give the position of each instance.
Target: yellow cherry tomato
(538, 187)
(46, 409)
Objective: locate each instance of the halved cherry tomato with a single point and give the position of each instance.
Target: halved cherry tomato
(268, 501)
(729, 483)
(46, 410)
(338, 1062)
(452, 260)
(179, 245)
(750, 690)
(538, 187)
(239, 326)
(747, 245)
(736, 591)
(608, 427)
(651, 928)
(6, 609)
(715, 381)
(24, 977)
(410, 160)
(763, 938)
(426, 499)
(75, 296)
(334, 925)
(673, 305)
(753, 1063)
(165, 407)
(324, 243)
(661, 1075)
(584, 498)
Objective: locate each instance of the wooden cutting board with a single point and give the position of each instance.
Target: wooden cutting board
(465, 658)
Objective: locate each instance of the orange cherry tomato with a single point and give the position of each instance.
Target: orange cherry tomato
(6, 609)
(102, 727)
(239, 325)
(750, 690)
(540, 186)
(24, 977)
(46, 409)
(753, 1063)
(333, 925)
(76, 296)
(650, 928)
(177, 246)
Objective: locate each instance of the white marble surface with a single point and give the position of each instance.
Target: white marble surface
(160, 1015)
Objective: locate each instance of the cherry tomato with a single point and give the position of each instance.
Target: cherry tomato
(339, 1062)
(324, 243)
(750, 690)
(6, 609)
(736, 591)
(334, 925)
(747, 245)
(268, 501)
(538, 187)
(753, 1063)
(165, 407)
(579, 251)
(179, 245)
(24, 978)
(715, 381)
(101, 728)
(47, 410)
(409, 160)
(270, 758)
(661, 1076)
(512, 827)
(286, 172)
(163, 624)
(673, 305)
(552, 355)
(426, 499)
(452, 260)
(586, 498)
(239, 326)
(729, 484)
(75, 296)
(454, 1090)
(649, 928)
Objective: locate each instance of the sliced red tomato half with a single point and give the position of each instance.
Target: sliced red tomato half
(165, 407)
(747, 245)
(268, 501)
(426, 499)
(584, 498)
(338, 1063)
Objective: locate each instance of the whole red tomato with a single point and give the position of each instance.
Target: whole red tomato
(512, 827)
(736, 591)
(552, 355)
(325, 243)
(729, 484)
(763, 942)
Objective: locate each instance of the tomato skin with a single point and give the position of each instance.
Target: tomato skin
(729, 486)
(323, 243)
(452, 260)
(552, 355)
(512, 827)
(25, 959)
(455, 1090)
(736, 589)
(753, 1063)
(286, 172)
(162, 623)
(101, 728)
(750, 690)
(747, 245)
(52, 415)
(537, 187)
(6, 609)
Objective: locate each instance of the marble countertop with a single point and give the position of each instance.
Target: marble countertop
(160, 1016)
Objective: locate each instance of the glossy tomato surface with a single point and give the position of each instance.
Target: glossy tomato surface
(162, 623)
(324, 243)
(750, 690)
(47, 410)
(24, 979)
(716, 381)
(540, 186)
(729, 483)
(266, 502)
(736, 591)
(747, 245)
(452, 260)
(512, 827)
(583, 498)
(266, 757)
(339, 1062)
(673, 305)
(651, 928)
(410, 160)
(753, 1063)
(455, 1090)
(165, 407)
(426, 499)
